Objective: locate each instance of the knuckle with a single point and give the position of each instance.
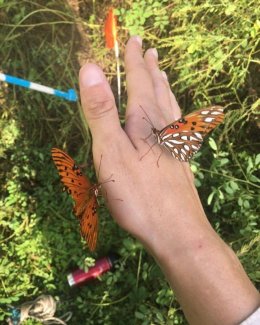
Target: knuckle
(134, 67)
(98, 107)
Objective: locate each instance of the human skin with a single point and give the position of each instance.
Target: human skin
(158, 203)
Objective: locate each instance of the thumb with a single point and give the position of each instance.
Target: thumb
(98, 102)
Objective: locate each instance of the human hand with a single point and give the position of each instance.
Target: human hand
(158, 203)
(147, 199)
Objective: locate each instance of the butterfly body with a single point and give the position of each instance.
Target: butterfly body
(82, 192)
(184, 137)
(81, 205)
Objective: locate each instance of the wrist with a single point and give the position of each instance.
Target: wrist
(204, 273)
(177, 236)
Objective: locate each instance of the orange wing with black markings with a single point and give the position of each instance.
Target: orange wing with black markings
(82, 192)
(184, 137)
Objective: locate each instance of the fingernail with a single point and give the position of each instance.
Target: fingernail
(91, 75)
(138, 39)
(164, 75)
(155, 52)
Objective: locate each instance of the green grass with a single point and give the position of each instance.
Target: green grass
(210, 51)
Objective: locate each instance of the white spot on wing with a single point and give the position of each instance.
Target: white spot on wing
(198, 135)
(186, 147)
(176, 141)
(216, 112)
(184, 137)
(182, 157)
(194, 139)
(167, 143)
(167, 136)
(204, 112)
(209, 119)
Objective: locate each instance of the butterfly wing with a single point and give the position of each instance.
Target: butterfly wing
(205, 119)
(184, 137)
(76, 184)
(82, 192)
(183, 145)
(89, 223)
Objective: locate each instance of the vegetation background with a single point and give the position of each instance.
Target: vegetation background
(210, 51)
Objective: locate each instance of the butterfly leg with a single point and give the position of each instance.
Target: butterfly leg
(106, 197)
(150, 148)
(159, 157)
(108, 180)
(105, 192)
(146, 138)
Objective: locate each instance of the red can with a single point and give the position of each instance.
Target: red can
(101, 266)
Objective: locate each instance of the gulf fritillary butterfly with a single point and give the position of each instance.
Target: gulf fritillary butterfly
(184, 137)
(82, 192)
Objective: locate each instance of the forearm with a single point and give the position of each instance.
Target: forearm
(207, 277)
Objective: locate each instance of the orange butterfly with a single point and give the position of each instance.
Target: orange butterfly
(184, 137)
(83, 193)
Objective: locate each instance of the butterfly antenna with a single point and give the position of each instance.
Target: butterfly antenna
(99, 166)
(147, 119)
(106, 181)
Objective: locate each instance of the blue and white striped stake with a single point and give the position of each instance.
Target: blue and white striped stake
(70, 95)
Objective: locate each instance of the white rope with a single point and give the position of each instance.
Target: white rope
(42, 309)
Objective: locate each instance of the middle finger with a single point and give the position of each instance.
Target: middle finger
(140, 89)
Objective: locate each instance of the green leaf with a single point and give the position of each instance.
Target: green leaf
(254, 179)
(246, 204)
(213, 144)
(234, 185)
(210, 198)
(139, 315)
(221, 195)
(229, 190)
(257, 160)
(223, 161)
(230, 9)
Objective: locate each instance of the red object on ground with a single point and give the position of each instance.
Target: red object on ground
(101, 266)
